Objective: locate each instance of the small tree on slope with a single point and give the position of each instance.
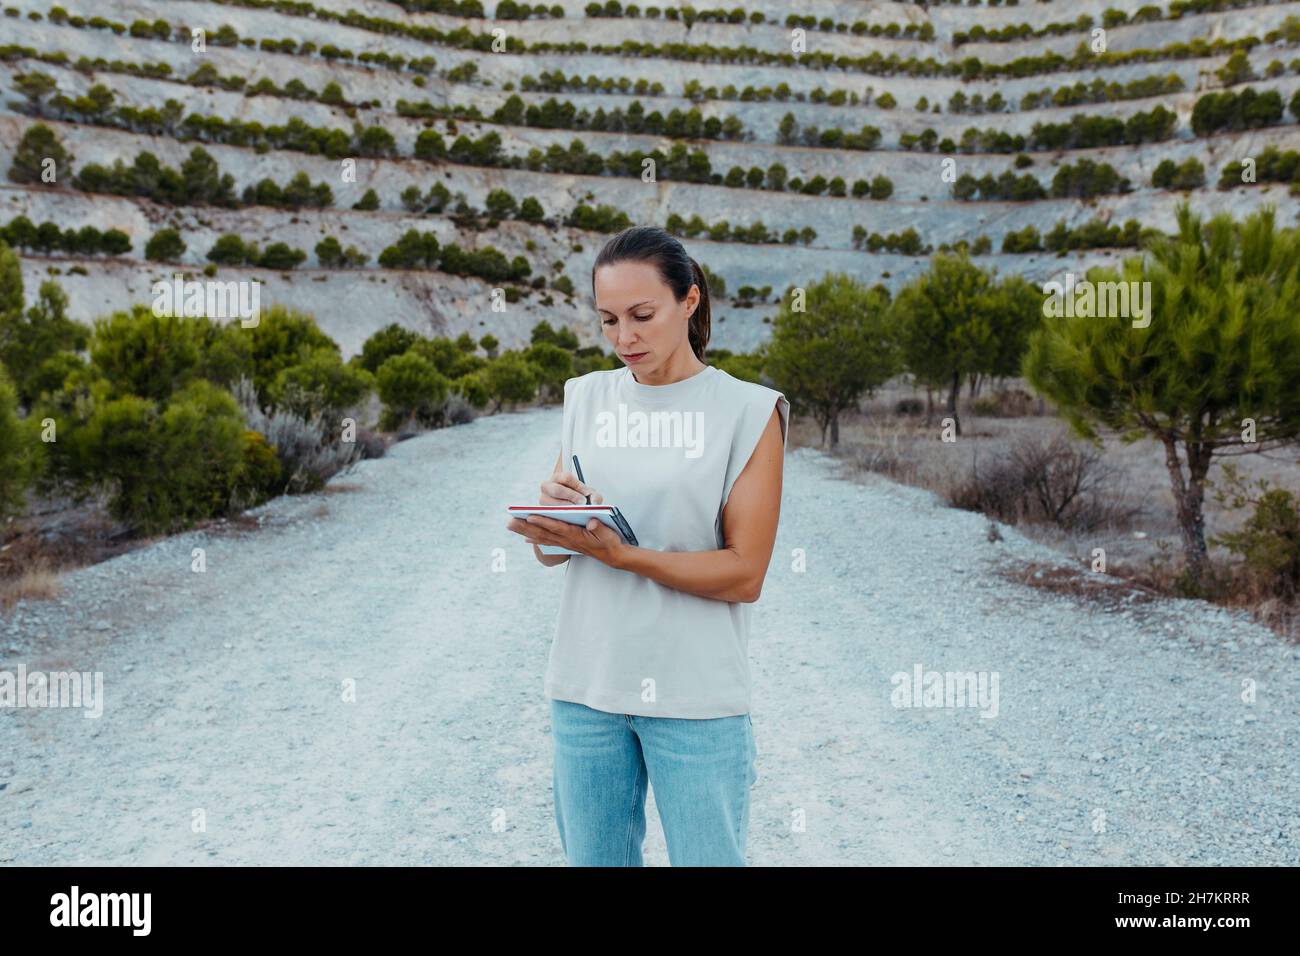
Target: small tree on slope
(1217, 370)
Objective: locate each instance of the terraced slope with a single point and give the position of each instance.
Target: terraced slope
(742, 99)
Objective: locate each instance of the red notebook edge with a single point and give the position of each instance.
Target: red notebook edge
(559, 507)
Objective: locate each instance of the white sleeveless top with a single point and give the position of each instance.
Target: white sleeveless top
(667, 457)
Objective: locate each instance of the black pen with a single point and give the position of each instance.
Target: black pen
(614, 512)
(578, 468)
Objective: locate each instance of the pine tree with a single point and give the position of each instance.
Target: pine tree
(831, 350)
(1216, 371)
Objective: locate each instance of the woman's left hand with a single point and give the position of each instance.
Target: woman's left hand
(595, 539)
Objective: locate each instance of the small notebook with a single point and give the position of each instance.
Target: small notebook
(608, 515)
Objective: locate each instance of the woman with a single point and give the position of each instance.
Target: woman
(648, 675)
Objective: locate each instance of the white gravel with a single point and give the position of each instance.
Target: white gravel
(1121, 736)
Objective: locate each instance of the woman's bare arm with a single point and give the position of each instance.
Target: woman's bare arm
(735, 572)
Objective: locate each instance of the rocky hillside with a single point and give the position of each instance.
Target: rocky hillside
(920, 85)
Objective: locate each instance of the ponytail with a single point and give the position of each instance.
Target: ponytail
(701, 318)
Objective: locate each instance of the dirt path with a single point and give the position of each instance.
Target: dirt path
(1120, 735)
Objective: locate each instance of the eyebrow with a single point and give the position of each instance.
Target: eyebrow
(629, 308)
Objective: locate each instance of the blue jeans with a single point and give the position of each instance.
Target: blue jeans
(701, 771)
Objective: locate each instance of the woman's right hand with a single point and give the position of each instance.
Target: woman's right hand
(564, 488)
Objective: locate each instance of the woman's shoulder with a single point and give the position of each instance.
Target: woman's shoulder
(744, 391)
(597, 377)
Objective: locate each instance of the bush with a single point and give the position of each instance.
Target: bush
(280, 256)
(554, 366)
(1052, 481)
(165, 466)
(31, 341)
(1023, 240)
(146, 355)
(321, 385)
(909, 406)
(307, 455)
(20, 452)
(1248, 109)
(1086, 178)
(530, 210)
(368, 202)
(166, 245)
(411, 388)
(391, 340)
(1004, 403)
(1269, 540)
(412, 250)
(37, 144)
(511, 378)
(282, 339)
(300, 193)
(1269, 543)
(1190, 174)
(231, 250)
(258, 477)
(331, 255)
(1271, 165)
(500, 204)
(473, 387)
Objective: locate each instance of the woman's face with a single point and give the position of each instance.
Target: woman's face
(639, 316)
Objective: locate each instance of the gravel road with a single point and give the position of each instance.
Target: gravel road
(229, 734)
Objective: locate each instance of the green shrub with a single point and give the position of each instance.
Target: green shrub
(283, 338)
(231, 250)
(258, 476)
(28, 341)
(1268, 542)
(391, 340)
(166, 245)
(1248, 109)
(511, 378)
(165, 466)
(411, 388)
(554, 365)
(331, 255)
(321, 385)
(474, 388)
(279, 255)
(20, 451)
(146, 355)
(37, 144)
(530, 210)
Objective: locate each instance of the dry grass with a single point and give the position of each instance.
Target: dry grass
(40, 547)
(36, 582)
(1131, 513)
(1109, 590)
(232, 525)
(901, 447)
(341, 487)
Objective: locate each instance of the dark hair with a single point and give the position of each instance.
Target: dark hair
(678, 270)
